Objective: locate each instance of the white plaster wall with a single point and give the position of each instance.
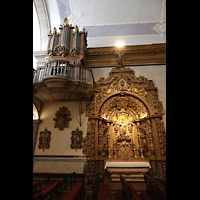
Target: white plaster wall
(61, 140)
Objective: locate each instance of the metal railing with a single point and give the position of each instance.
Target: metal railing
(64, 69)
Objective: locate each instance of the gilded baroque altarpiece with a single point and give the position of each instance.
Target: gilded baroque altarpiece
(125, 123)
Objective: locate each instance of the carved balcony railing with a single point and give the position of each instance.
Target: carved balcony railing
(56, 69)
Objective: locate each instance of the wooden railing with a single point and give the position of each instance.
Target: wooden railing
(64, 69)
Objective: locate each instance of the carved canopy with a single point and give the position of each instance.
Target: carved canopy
(123, 82)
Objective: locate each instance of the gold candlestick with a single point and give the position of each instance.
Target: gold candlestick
(109, 153)
(142, 156)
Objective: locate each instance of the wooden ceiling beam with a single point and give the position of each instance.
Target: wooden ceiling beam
(132, 55)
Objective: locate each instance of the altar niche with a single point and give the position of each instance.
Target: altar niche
(125, 124)
(124, 142)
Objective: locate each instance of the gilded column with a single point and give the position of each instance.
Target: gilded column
(139, 141)
(156, 139)
(157, 148)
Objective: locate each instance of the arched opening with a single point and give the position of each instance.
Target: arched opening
(35, 113)
(126, 102)
(122, 139)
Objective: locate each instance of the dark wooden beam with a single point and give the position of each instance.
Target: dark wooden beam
(132, 55)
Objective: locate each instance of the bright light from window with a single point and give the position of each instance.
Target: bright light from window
(119, 44)
(35, 113)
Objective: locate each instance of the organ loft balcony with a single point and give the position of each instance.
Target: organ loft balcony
(64, 75)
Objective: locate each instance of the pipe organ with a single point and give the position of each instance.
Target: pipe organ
(67, 42)
(64, 75)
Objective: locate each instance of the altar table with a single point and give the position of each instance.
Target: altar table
(127, 164)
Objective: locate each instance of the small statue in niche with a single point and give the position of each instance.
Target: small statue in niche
(144, 145)
(76, 139)
(123, 134)
(44, 139)
(122, 130)
(116, 128)
(130, 128)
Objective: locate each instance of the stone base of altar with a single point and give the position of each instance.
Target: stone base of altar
(131, 171)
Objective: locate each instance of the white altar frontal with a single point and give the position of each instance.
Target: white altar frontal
(127, 164)
(131, 171)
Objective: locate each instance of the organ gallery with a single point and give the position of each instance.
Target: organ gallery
(99, 117)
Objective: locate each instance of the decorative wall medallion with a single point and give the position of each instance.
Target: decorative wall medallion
(44, 139)
(76, 139)
(62, 118)
(122, 82)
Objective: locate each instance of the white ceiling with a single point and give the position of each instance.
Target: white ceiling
(108, 21)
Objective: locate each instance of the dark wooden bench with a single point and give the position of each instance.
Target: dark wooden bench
(99, 190)
(145, 196)
(134, 193)
(75, 192)
(155, 189)
(103, 191)
(125, 188)
(95, 187)
(36, 184)
(50, 191)
(118, 196)
(38, 197)
(69, 179)
(129, 191)
(67, 176)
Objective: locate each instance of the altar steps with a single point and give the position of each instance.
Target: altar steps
(128, 178)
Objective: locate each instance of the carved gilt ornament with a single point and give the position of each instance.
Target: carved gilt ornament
(62, 118)
(124, 121)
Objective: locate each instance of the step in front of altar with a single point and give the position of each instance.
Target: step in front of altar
(130, 174)
(132, 171)
(140, 177)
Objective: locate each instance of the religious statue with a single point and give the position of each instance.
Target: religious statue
(76, 139)
(123, 133)
(44, 139)
(122, 130)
